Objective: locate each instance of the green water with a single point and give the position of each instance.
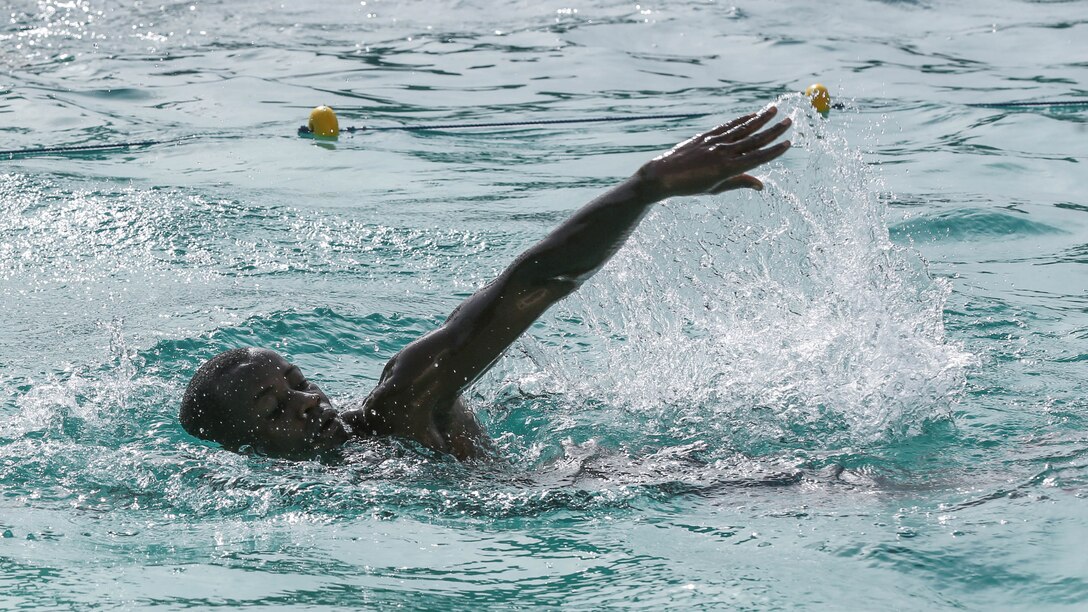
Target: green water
(863, 388)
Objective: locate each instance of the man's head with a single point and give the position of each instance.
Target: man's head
(254, 397)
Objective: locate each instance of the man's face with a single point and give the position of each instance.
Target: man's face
(273, 408)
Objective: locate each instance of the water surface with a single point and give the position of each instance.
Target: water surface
(862, 388)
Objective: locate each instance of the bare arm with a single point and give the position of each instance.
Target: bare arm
(420, 385)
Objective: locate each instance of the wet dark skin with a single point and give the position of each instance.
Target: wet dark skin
(275, 410)
(278, 412)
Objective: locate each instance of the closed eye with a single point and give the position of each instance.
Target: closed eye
(268, 403)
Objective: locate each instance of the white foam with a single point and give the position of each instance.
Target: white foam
(786, 317)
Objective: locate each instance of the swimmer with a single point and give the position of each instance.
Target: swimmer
(254, 399)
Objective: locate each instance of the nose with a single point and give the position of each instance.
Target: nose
(309, 404)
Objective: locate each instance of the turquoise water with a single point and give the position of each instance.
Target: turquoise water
(863, 388)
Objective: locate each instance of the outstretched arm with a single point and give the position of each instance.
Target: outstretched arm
(420, 385)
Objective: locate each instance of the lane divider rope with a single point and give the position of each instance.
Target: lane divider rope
(305, 130)
(91, 148)
(1054, 103)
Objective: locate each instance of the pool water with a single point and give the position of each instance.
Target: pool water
(863, 388)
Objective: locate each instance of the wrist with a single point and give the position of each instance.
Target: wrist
(644, 187)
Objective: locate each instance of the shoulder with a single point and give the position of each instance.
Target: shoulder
(378, 414)
(398, 407)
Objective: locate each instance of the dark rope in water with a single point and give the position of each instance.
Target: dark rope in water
(305, 131)
(1057, 103)
(458, 126)
(91, 148)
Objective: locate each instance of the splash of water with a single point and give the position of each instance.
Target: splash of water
(786, 319)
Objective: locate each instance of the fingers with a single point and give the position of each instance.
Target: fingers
(764, 138)
(716, 161)
(741, 128)
(725, 127)
(751, 160)
(762, 156)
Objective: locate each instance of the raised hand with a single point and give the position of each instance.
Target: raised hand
(717, 160)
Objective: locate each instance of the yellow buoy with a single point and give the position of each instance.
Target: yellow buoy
(820, 98)
(323, 122)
